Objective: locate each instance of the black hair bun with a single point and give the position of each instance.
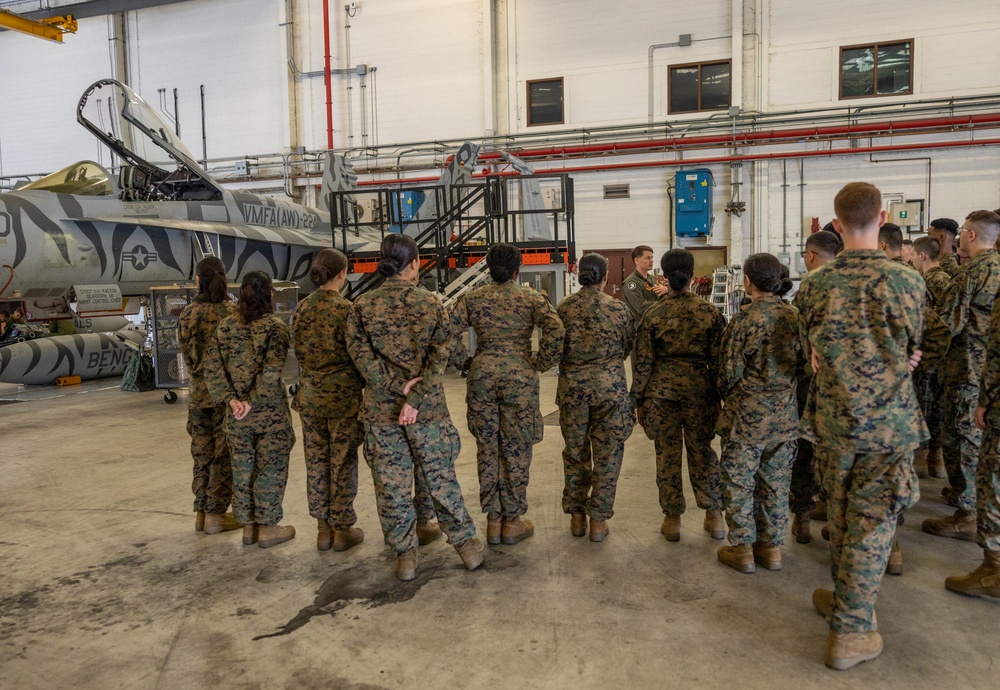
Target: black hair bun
(388, 267)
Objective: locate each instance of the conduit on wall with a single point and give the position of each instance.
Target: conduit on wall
(718, 159)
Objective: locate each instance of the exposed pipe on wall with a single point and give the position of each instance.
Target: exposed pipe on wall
(873, 129)
(327, 77)
(636, 165)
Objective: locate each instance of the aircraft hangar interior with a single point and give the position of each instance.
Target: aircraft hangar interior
(654, 338)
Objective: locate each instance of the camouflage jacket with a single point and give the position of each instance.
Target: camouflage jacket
(803, 368)
(600, 333)
(863, 316)
(395, 333)
(245, 362)
(965, 308)
(759, 352)
(677, 350)
(637, 293)
(949, 263)
(504, 316)
(989, 389)
(329, 385)
(196, 328)
(937, 281)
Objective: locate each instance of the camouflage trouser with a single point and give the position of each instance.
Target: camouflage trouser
(331, 451)
(260, 467)
(803, 489)
(692, 423)
(961, 439)
(755, 482)
(395, 455)
(422, 501)
(929, 393)
(213, 471)
(988, 483)
(592, 458)
(865, 495)
(503, 416)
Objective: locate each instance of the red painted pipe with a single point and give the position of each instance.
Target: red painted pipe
(326, 74)
(717, 159)
(742, 138)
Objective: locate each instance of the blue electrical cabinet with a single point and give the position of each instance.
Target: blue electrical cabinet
(693, 202)
(404, 207)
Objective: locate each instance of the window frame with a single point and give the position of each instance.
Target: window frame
(874, 46)
(562, 100)
(699, 65)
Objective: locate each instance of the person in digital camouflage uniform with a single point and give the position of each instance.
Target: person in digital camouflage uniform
(929, 461)
(674, 391)
(213, 472)
(944, 230)
(243, 370)
(502, 387)
(399, 336)
(759, 421)
(966, 307)
(985, 580)
(862, 415)
(327, 400)
(820, 248)
(595, 412)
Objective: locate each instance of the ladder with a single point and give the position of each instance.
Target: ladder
(203, 246)
(727, 287)
(465, 282)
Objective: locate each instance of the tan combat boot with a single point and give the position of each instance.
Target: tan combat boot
(847, 650)
(406, 565)
(494, 529)
(598, 529)
(800, 528)
(739, 558)
(983, 581)
(715, 524)
(819, 511)
(471, 552)
(935, 464)
(767, 555)
(250, 534)
(324, 535)
(516, 530)
(220, 522)
(199, 521)
(895, 564)
(920, 457)
(671, 527)
(272, 535)
(578, 524)
(428, 532)
(343, 539)
(961, 525)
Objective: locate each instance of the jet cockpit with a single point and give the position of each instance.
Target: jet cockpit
(155, 164)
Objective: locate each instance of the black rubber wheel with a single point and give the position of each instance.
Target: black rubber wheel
(170, 397)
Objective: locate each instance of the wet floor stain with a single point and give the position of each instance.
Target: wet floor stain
(368, 584)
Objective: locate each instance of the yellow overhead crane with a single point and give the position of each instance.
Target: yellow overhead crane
(50, 28)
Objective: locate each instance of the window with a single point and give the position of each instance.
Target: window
(545, 102)
(882, 69)
(700, 86)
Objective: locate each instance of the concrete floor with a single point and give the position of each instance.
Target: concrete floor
(105, 584)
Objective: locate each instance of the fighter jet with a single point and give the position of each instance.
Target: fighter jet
(83, 230)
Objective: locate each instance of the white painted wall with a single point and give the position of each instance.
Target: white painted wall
(436, 79)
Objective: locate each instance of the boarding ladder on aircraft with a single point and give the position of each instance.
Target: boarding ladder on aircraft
(203, 246)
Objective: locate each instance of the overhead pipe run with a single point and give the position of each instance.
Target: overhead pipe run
(637, 165)
(890, 128)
